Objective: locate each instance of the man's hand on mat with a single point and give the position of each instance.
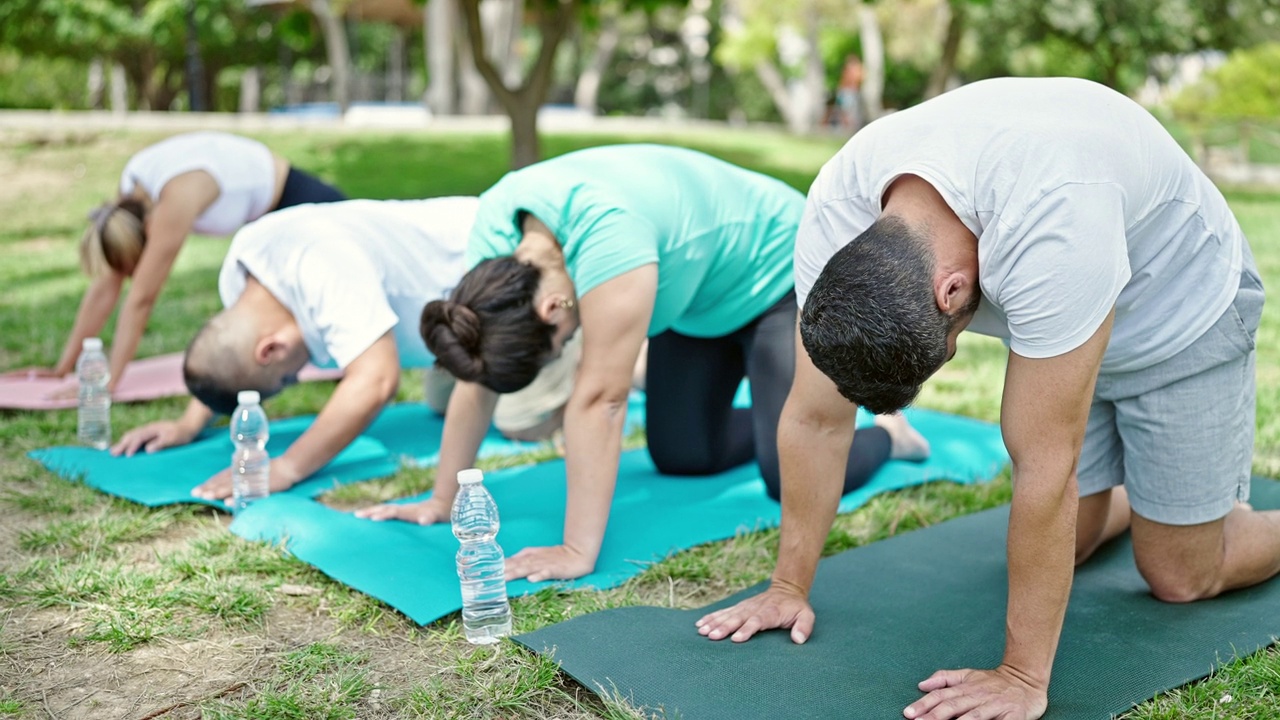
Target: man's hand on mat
(427, 512)
(282, 477)
(559, 562)
(70, 390)
(778, 607)
(154, 436)
(978, 695)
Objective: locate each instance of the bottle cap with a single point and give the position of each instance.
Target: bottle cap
(248, 397)
(470, 476)
(91, 344)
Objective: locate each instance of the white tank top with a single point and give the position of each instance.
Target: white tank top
(244, 170)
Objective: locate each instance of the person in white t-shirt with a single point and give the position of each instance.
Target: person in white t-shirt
(1060, 215)
(210, 183)
(340, 285)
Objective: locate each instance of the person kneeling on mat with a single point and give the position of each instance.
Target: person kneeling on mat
(629, 242)
(1060, 215)
(337, 285)
(211, 183)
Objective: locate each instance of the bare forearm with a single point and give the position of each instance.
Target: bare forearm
(1041, 551)
(354, 404)
(195, 417)
(813, 456)
(593, 437)
(129, 328)
(467, 420)
(96, 307)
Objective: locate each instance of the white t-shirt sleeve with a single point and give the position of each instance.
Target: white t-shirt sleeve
(345, 298)
(825, 227)
(1059, 276)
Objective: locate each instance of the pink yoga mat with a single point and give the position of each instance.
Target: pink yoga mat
(148, 379)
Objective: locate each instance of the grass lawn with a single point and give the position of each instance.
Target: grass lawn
(114, 610)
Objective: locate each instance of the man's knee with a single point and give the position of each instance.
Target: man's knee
(1179, 585)
(672, 458)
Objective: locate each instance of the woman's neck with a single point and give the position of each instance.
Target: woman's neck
(539, 247)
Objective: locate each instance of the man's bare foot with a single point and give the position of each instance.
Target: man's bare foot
(905, 442)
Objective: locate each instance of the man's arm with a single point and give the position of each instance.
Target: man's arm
(615, 321)
(368, 384)
(814, 436)
(1043, 418)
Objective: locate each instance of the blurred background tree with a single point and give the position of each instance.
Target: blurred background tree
(735, 60)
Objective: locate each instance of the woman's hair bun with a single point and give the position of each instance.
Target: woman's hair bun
(452, 333)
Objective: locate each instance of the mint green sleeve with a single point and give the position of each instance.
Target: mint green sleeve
(495, 233)
(613, 244)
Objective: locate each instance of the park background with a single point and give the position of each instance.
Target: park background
(113, 610)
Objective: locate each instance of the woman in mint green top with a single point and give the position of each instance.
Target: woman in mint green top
(629, 242)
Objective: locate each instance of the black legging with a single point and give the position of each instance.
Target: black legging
(301, 187)
(692, 426)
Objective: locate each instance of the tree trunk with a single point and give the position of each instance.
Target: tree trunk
(440, 17)
(586, 93)
(814, 89)
(119, 89)
(521, 104)
(395, 65)
(526, 148)
(773, 81)
(335, 43)
(251, 90)
(473, 91)
(97, 82)
(872, 62)
(958, 11)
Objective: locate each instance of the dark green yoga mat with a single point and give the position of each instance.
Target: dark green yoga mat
(891, 613)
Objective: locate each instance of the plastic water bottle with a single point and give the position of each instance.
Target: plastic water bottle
(486, 614)
(93, 425)
(250, 464)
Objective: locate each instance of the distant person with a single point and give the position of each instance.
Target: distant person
(339, 285)
(849, 95)
(1060, 215)
(210, 183)
(626, 243)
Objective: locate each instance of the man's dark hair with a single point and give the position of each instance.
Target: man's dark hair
(871, 322)
(489, 331)
(216, 370)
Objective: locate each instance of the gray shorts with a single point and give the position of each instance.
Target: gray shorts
(1179, 435)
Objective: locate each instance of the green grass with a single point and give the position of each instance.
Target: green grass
(103, 586)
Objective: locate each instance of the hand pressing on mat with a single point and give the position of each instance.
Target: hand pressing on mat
(558, 562)
(283, 476)
(427, 512)
(1002, 693)
(154, 436)
(777, 607)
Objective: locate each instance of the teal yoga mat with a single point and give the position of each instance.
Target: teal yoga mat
(167, 477)
(891, 613)
(407, 433)
(412, 568)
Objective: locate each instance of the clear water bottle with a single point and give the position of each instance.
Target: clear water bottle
(93, 426)
(486, 614)
(250, 464)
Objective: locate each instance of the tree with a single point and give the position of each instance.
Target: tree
(147, 37)
(1112, 41)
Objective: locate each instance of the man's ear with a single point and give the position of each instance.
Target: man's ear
(269, 349)
(951, 291)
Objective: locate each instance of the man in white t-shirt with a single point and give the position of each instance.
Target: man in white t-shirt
(1061, 216)
(340, 285)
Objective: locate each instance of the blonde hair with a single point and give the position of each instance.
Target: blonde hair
(114, 239)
